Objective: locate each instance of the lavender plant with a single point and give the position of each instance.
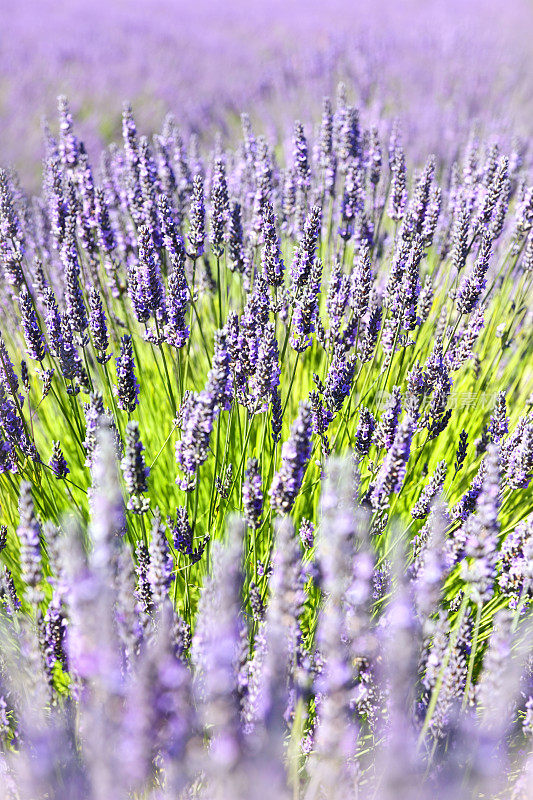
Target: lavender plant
(329, 358)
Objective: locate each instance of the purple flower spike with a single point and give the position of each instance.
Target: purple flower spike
(127, 388)
(295, 455)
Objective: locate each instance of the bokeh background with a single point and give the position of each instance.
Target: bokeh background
(439, 64)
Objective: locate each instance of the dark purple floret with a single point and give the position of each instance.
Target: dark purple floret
(58, 463)
(35, 343)
(150, 189)
(277, 416)
(369, 338)
(24, 375)
(8, 592)
(176, 328)
(127, 388)
(304, 259)
(106, 236)
(69, 357)
(172, 238)
(8, 376)
(431, 490)
(134, 469)
(193, 448)
(473, 284)
(461, 451)
(235, 238)
(182, 536)
(304, 318)
(265, 380)
(392, 472)
(75, 304)
(53, 321)
(12, 426)
(252, 494)
(295, 455)
(301, 162)
(339, 380)
(386, 428)
(98, 325)
(10, 228)
(219, 206)
(467, 503)
(321, 418)
(361, 281)
(499, 423)
(365, 431)
(150, 285)
(219, 386)
(273, 265)
(374, 157)
(196, 234)
(398, 193)
(57, 202)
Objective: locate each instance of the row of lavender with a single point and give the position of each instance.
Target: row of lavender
(173, 299)
(439, 63)
(383, 706)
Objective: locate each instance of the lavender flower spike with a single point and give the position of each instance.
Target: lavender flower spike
(295, 455)
(127, 389)
(135, 470)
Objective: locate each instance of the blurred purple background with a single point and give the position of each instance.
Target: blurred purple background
(437, 63)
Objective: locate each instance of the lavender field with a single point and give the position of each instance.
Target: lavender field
(266, 400)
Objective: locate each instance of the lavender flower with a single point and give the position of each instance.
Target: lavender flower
(295, 455)
(264, 382)
(159, 573)
(134, 470)
(176, 329)
(422, 505)
(482, 533)
(235, 238)
(307, 533)
(499, 424)
(473, 284)
(127, 388)
(197, 218)
(273, 265)
(98, 326)
(515, 559)
(35, 343)
(252, 494)
(29, 533)
(392, 472)
(304, 258)
(149, 283)
(58, 463)
(388, 423)
(365, 431)
(277, 417)
(75, 304)
(215, 650)
(306, 311)
(219, 205)
(219, 384)
(192, 449)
